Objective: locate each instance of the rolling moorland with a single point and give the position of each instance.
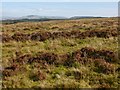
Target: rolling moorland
(81, 53)
(37, 18)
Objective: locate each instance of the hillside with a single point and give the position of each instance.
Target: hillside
(80, 53)
(37, 18)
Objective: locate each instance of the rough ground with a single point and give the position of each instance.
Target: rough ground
(68, 53)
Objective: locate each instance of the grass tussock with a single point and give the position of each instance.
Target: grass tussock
(61, 54)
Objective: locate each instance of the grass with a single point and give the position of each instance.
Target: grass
(60, 45)
(77, 75)
(64, 77)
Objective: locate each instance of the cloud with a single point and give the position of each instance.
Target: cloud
(39, 9)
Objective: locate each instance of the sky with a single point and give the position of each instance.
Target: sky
(66, 9)
(60, 0)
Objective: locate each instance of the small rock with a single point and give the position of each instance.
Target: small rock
(57, 76)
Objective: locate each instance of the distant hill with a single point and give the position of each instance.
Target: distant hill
(30, 18)
(33, 17)
(80, 17)
(45, 17)
(42, 17)
(37, 18)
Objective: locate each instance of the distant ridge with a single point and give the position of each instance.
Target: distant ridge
(33, 17)
(45, 17)
(37, 18)
(79, 17)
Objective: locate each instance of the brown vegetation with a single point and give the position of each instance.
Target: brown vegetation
(85, 55)
(42, 36)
